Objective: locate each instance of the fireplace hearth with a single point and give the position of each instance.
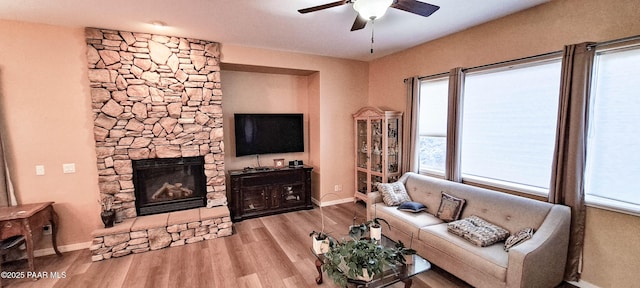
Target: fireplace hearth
(169, 184)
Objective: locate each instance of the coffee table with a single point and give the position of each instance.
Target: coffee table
(389, 276)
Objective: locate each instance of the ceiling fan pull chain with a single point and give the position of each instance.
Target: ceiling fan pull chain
(373, 21)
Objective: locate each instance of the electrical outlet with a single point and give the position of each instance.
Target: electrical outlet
(39, 170)
(47, 230)
(337, 188)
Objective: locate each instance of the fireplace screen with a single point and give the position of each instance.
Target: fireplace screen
(165, 185)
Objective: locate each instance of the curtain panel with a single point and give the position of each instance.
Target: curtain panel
(567, 183)
(410, 155)
(7, 197)
(454, 130)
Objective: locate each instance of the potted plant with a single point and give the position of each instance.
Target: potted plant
(359, 259)
(375, 229)
(108, 215)
(373, 226)
(321, 241)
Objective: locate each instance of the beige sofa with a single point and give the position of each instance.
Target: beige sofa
(537, 262)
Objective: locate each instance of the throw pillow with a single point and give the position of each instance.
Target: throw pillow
(450, 208)
(393, 194)
(410, 206)
(520, 236)
(478, 231)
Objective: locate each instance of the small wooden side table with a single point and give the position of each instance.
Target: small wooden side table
(27, 220)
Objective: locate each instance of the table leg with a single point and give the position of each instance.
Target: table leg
(28, 241)
(407, 282)
(54, 230)
(319, 267)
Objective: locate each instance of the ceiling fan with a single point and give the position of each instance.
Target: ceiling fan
(374, 9)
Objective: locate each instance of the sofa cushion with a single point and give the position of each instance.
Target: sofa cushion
(491, 260)
(393, 194)
(411, 206)
(478, 231)
(407, 222)
(450, 208)
(517, 238)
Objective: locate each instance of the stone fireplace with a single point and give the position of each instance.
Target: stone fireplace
(157, 114)
(154, 97)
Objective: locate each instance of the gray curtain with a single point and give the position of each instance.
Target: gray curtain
(410, 157)
(7, 197)
(567, 183)
(454, 128)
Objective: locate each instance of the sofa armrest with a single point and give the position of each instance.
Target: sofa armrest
(376, 197)
(372, 199)
(540, 261)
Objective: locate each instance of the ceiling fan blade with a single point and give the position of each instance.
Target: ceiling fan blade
(322, 7)
(416, 7)
(359, 23)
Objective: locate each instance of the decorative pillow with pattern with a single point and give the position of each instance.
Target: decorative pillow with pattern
(393, 194)
(478, 231)
(520, 236)
(450, 208)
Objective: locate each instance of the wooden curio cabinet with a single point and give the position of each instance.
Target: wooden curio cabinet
(378, 149)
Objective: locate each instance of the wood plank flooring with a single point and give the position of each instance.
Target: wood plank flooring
(272, 251)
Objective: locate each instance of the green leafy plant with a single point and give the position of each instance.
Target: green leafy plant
(359, 231)
(351, 258)
(375, 222)
(319, 235)
(401, 251)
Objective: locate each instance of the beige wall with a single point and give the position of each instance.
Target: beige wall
(46, 120)
(250, 92)
(336, 91)
(610, 246)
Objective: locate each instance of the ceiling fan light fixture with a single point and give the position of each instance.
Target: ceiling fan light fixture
(372, 9)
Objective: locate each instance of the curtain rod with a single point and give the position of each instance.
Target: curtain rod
(433, 76)
(508, 62)
(544, 56)
(617, 41)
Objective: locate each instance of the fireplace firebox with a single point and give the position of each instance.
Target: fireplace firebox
(169, 184)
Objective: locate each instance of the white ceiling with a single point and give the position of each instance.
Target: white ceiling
(271, 24)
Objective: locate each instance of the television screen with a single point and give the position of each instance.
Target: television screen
(268, 133)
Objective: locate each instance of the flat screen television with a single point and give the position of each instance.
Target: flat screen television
(268, 133)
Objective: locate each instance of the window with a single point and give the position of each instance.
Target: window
(613, 145)
(433, 125)
(509, 120)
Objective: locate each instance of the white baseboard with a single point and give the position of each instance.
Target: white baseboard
(334, 202)
(62, 249)
(583, 284)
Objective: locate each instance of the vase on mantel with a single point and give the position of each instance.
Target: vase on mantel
(108, 217)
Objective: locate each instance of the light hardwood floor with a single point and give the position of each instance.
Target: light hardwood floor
(272, 251)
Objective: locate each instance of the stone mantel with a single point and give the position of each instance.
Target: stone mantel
(153, 96)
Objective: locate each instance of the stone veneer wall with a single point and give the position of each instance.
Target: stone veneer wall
(154, 96)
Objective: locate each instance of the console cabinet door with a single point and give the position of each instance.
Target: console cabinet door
(254, 199)
(292, 195)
